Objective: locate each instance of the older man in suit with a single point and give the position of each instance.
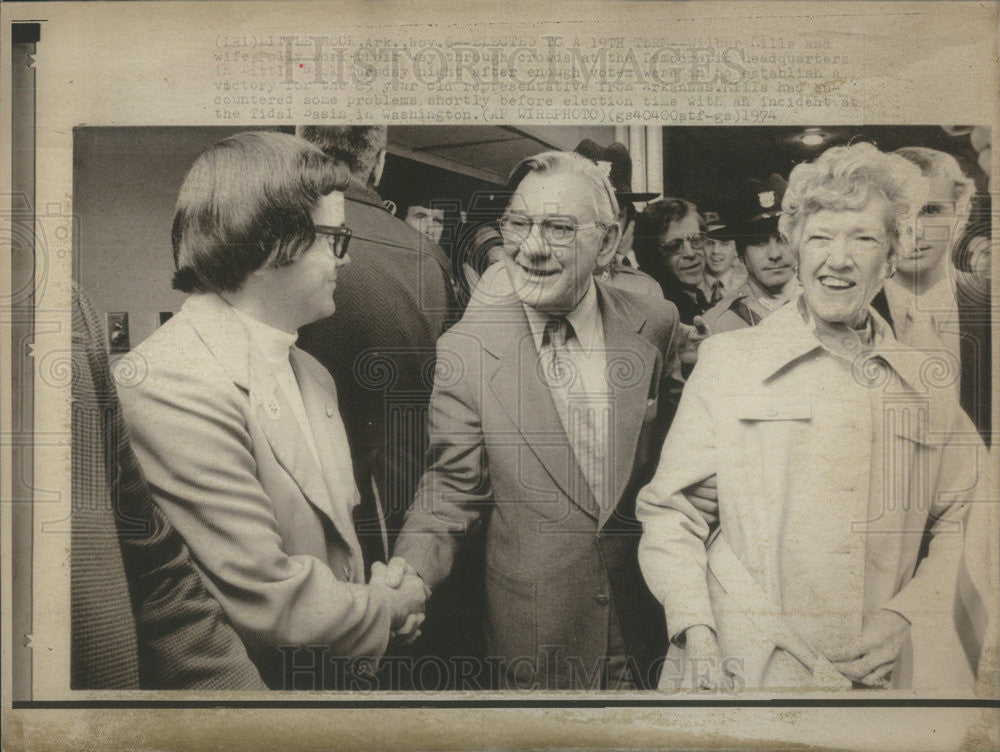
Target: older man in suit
(548, 411)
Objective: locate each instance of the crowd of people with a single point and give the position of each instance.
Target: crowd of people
(592, 447)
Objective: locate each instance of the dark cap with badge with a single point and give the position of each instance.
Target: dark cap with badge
(619, 163)
(753, 211)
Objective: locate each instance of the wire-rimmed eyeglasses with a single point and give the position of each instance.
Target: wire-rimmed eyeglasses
(674, 246)
(556, 229)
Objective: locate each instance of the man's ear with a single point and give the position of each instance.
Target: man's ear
(609, 245)
(379, 167)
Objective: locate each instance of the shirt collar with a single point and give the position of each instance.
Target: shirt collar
(585, 319)
(939, 297)
(793, 334)
(273, 343)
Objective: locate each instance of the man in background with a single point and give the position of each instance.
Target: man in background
(670, 243)
(724, 271)
(930, 304)
(751, 223)
(393, 302)
(616, 162)
(425, 220)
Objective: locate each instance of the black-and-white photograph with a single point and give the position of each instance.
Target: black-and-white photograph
(687, 410)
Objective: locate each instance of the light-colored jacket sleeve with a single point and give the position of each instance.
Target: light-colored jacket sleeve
(672, 548)
(965, 475)
(455, 491)
(190, 432)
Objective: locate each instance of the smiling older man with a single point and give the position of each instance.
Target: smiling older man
(548, 412)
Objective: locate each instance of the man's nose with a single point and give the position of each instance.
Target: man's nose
(344, 260)
(534, 244)
(688, 251)
(775, 249)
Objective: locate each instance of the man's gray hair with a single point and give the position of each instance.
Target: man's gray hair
(568, 162)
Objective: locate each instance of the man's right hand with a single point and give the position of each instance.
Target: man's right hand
(703, 662)
(407, 595)
(691, 336)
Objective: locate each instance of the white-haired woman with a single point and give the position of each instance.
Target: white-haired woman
(829, 470)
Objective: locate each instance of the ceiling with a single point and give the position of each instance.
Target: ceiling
(485, 152)
(702, 163)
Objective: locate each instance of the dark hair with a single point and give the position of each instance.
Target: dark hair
(356, 146)
(656, 219)
(245, 204)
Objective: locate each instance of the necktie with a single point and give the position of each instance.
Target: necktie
(585, 416)
(717, 291)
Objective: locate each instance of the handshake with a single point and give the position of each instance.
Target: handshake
(407, 595)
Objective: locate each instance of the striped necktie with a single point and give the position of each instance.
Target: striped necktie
(585, 417)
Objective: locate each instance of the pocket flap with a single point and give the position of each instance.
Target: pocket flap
(774, 408)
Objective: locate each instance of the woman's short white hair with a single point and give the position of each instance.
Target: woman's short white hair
(848, 177)
(561, 162)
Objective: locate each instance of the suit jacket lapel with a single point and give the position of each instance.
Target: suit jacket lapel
(225, 335)
(274, 413)
(521, 390)
(336, 469)
(633, 368)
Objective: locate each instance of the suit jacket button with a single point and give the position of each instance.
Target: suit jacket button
(329, 411)
(602, 600)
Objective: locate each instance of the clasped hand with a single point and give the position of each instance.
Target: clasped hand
(691, 336)
(407, 595)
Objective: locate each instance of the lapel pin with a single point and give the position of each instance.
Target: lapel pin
(272, 407)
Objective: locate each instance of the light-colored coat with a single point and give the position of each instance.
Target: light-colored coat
(227, 462)
(829, 472)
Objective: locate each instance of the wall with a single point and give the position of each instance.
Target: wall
(125, 183)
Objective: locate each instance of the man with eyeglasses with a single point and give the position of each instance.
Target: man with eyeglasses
(670, 243)
(549, 408)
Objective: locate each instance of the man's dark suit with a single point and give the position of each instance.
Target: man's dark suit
(975, 348)
(559, 568)
(140, 615)
(393, 301)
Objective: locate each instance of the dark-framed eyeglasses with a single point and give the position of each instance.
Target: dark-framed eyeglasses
(556, 229)
(339, 237)
(674, 246)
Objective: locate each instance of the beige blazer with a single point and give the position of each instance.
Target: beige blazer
(227, 462)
